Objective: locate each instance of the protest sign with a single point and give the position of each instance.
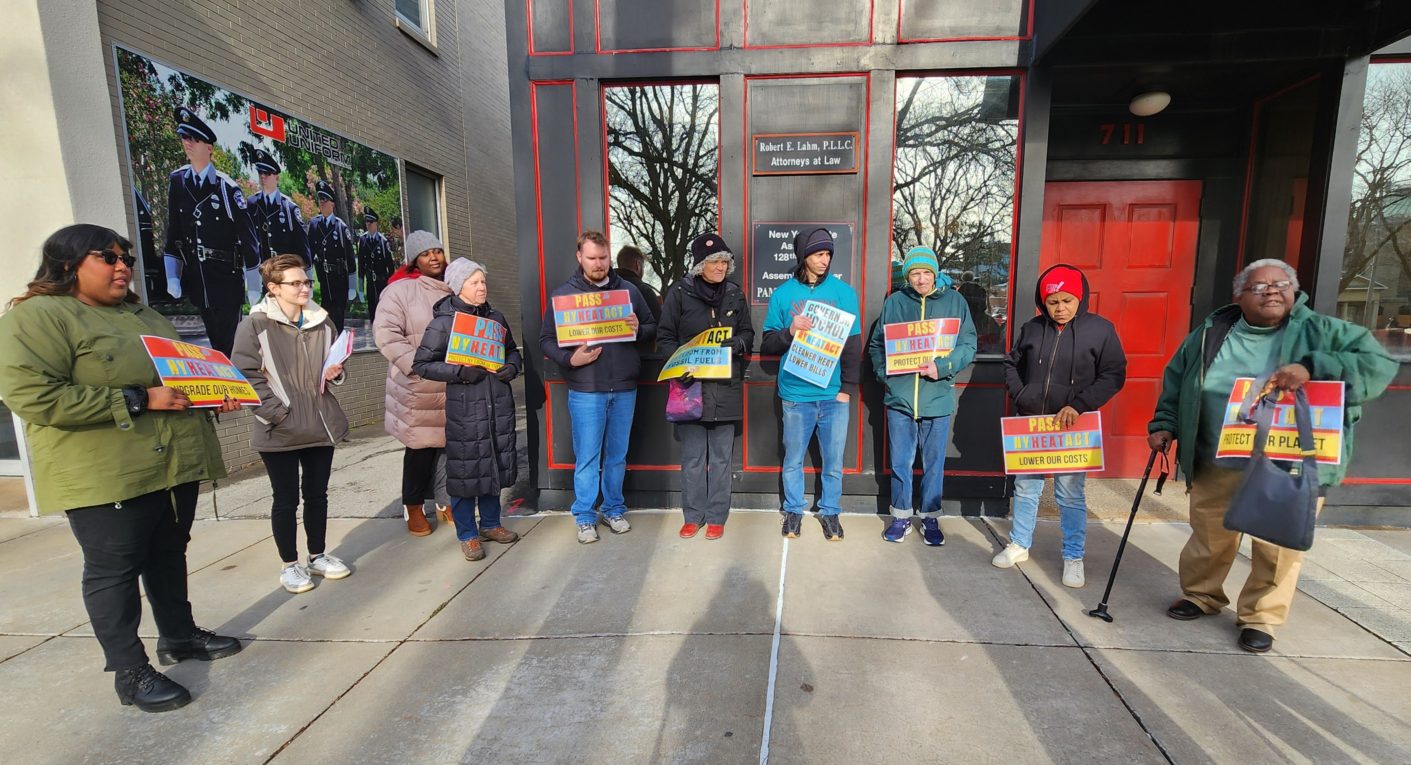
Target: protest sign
(911, 345)
(814, 354)
(1038, 445)
(205, 375)
(1325, 402)
(476, 341)
(702, 357)
(593, 317)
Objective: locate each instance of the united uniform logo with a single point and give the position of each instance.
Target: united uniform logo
(266, 123)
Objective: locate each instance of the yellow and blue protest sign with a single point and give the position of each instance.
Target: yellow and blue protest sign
(702, 357)
(1325, 408)
(911, 345)
(814, 353)
(1038, 445)
(593, 317)
(204, 374)
(476, 341)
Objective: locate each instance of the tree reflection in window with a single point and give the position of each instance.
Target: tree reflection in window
(953, 187)
(662, 152)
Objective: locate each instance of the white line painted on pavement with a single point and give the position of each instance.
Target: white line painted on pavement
(774, 658)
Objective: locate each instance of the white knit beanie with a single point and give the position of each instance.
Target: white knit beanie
(459, 271)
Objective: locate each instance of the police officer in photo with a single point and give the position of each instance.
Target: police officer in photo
(331, 244)
(278, 222)
(211, 239)
(375, 262)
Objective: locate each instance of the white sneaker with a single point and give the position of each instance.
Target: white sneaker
(587, 533)
(1073, 573)
(328, 567)
(617, 524)
(295, 578)
(1010, 555)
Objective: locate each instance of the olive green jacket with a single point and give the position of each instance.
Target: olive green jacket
(63, 365)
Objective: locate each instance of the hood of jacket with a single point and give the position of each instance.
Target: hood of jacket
(581, 283)
(314, 314)
(1082, 302)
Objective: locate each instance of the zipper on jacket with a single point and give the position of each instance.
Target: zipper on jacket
(1048, 374)
(916, 383)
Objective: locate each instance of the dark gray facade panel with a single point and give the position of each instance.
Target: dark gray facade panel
(975, 439)
(768, 22)
(656, 24)
(765, 434)
(1380, 448)
(551, 29)
(556, 178)
(948, 20)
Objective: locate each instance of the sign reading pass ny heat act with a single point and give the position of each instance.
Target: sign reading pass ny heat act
(476, 342)
(1325, 400)
(1038, 445)
(206, 376)
(911, 345)
(805, 153)
(814, 354)
(593, 317)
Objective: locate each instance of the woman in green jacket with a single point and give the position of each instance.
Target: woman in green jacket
(121, 455)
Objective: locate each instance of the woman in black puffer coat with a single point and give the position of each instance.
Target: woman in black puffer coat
(480, 412)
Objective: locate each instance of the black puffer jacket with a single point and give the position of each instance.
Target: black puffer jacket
(480, 416)
(1081, 364)
(685, 315)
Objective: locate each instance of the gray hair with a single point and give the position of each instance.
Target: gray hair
(721, 255)
(1242, 278)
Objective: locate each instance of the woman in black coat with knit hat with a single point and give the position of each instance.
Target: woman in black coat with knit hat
(703, 299)
(481, 458)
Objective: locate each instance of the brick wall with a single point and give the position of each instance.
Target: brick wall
(360, 395)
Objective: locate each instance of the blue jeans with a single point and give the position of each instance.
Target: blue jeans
(602, 424)
(903, 435)
(801, 419)
(463, 513)
(1072, 511)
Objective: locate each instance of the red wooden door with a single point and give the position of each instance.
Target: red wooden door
(1136, 241)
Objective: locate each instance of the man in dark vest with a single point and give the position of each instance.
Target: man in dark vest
(331, 243)
(375, 263)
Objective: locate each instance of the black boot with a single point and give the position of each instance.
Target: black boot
(203, 645)
(149, 690)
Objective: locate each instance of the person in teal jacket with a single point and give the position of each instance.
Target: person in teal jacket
(920, 404)
(1268, 329)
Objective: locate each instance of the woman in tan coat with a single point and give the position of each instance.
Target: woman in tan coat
(416, 407)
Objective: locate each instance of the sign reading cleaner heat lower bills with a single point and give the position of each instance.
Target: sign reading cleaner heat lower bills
(702, 357)
(593, 317)
(1325, 400)
(1037, 445)
(476, 341)
(911, 345)
(814, 354)
(205, 375)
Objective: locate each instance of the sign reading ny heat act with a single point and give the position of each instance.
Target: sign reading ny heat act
(1038, 445)
(911, 345)
(206, 376)
(476, 342)
(593, 317)
(1325, 400)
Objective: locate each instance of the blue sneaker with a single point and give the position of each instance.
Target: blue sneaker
(898, 530)
(931, 532)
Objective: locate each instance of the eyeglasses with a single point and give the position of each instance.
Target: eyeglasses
(111, 257)
(299, 285)
(1259, 288)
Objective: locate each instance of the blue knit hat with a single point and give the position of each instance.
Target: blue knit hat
(921, 257)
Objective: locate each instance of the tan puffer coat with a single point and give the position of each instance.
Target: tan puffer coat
(416, 407)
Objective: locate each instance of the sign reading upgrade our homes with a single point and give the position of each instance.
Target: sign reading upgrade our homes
(814, 354)
(1325, 402)
(593, 317)
(772, 260)
(1038, 445)
(206, 376)
(805, 153)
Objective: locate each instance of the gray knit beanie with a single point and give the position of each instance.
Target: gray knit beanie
(419, 242)
(459, 271)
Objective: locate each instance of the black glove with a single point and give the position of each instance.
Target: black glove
(471, 375)
(506, 373)
(686, 379)
(735, 344)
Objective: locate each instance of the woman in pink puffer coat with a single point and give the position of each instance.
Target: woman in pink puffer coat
(416, 407)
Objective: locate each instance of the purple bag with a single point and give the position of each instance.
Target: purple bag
(683, 402)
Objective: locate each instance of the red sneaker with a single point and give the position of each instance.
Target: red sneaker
(715, 530)
(689, 530)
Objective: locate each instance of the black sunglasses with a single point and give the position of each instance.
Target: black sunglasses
(111, 258)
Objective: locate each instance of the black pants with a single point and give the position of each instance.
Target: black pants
(220, 326)
(143, 537)
(283, 470)
(420, 479)
(706, 452)
(334, 295)
(374, 291)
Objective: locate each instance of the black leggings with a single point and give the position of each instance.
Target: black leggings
(419, 475)
(283, 469)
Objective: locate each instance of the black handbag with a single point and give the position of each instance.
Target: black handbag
(1272, 503)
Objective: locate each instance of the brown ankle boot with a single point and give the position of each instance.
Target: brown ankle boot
(416, 520)
(499, 534)
(443, 512)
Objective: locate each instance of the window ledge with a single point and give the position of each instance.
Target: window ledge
(413, 31)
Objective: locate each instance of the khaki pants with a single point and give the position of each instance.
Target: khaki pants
(1205, 561)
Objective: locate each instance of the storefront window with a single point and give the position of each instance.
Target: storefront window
(423, 202)
(663, 146)
(953, 187)
(1375, 288)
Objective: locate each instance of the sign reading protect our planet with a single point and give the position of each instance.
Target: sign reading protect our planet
(911, 345)
(814, 354)
(1038, 445)
(702, 357)
(476, 342)
(1325, 407)
(593, 317)
(205, 375)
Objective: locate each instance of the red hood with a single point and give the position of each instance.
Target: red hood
(406, 272)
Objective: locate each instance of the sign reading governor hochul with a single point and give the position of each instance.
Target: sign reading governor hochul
(805, 153)
(772, 260)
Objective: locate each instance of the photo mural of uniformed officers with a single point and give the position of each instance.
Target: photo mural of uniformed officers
(211, 237)
(278, 222)
(331, 242)
(151, 263)
(375, 263)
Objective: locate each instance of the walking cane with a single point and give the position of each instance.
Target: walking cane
(1101, 611)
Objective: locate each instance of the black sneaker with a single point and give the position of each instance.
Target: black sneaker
(203, 645)
(792, 526)
(832, 527)
(149, 690)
